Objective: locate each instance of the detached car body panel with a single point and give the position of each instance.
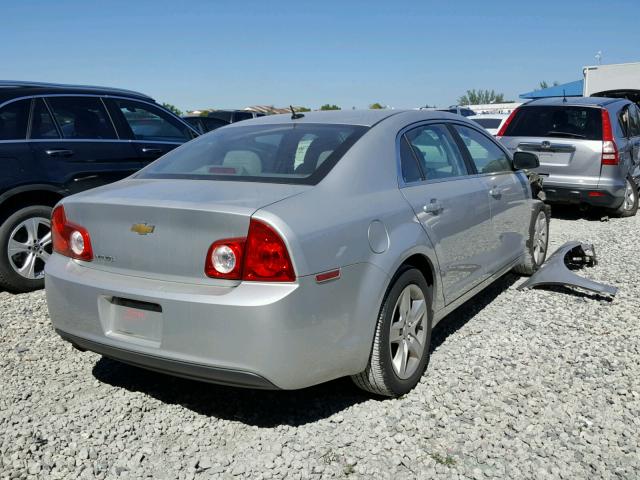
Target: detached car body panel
(354, 195)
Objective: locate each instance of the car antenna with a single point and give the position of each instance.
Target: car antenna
(294, 115)
(564, 95)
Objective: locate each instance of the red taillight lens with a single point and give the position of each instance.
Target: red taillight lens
(261, 257)
(69, 239)
(609, 147)
(266, 257)
(224, 259)
(506, 123)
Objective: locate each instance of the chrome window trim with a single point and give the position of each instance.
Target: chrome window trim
(102, 96)
(400, 134)
(91, 140)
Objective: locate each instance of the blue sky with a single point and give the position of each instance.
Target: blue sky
(238, 53)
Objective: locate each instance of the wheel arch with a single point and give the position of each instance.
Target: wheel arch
(20, 197)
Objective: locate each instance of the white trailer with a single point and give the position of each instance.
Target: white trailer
(615, 80)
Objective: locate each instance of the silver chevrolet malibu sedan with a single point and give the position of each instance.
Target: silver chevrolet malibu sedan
(291, 250)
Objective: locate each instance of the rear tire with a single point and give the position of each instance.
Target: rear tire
(629, 206)
(22, 262)
(536, 246)
(402, 338)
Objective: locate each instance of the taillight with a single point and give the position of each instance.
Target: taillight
(609, 147)
(261, 257)
(506, 123)
(69, 239)
(224, 259)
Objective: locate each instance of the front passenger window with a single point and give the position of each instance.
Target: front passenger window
(152, 124)
(485, 154)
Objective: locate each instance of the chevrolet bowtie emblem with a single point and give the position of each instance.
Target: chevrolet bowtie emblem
(142, 228)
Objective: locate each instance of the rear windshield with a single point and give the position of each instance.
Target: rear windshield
(291, 153)
(488, 122)
(557, 121)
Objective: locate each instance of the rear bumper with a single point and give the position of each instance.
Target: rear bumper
(193, 371)
(289, 335)
(609, 197)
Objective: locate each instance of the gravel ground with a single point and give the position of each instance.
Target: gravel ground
(536, 384)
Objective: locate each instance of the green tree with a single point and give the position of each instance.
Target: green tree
(304, 109)
(377, 106)
(544, 84)
(326, 106)
(172, 108)
(481, 97)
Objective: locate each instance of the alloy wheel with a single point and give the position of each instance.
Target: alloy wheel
(629, 197)
(29, 247)
(540, 238)
(408, 331)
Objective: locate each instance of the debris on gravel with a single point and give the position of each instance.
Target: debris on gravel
(531, 384)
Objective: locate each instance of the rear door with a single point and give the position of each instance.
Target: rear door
(567, 140)
(452, 206)
(152, 130)
(74, 140)
(507, 193)
(634, 140)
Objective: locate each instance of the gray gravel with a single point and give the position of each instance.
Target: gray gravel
(536, 384)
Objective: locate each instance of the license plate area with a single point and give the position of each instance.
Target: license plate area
(131, 320)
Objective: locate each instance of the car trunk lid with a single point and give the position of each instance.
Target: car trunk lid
(163, 228)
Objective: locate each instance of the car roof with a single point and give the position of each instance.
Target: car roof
(10, 89)
(367, 118)
(574, 101)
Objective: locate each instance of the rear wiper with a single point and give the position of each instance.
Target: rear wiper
(568, 134)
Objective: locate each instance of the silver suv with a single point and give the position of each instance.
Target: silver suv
(589, 149)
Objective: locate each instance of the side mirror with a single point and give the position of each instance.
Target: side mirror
(525, 161)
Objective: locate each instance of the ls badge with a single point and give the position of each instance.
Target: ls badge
(142, 228)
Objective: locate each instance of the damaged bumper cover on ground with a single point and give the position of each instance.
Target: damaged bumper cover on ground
(557, 269)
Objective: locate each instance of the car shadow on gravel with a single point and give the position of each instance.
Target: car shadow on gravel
(265, 408)
(574, 212)
(262, 408)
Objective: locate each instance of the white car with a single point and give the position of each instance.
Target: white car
(491, 122)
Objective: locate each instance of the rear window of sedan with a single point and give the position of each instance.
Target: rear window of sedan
(288, 153)
(556, 121)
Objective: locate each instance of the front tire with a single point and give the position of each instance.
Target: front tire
(536, 246)
(402, 338)
(25, 246)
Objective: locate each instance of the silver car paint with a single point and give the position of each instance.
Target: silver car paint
(293, 334)
(575, 163)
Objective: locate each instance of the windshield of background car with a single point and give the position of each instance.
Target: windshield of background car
(288, 153)
(557, 121)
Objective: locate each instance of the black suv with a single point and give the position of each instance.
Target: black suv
(56, 140)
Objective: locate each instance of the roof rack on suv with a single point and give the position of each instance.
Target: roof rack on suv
(20, 83)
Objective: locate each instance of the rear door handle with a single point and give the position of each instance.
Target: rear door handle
(59, 153)
(496, 192)
(151, 150)
(434, 206)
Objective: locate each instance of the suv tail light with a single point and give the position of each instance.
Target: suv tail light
(506, 123)
(69, 239)
(261, 257)
(609, 147)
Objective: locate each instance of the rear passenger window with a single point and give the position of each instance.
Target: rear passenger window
(634, 121)
(42, 125)
(14, 119)
(410, 169)
(82, 117)
(152, 124)
(436, 152)
(485, 154)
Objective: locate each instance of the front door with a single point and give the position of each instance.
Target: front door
(74, 140)
(507, 194)
(153, 131)
(452, 206)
